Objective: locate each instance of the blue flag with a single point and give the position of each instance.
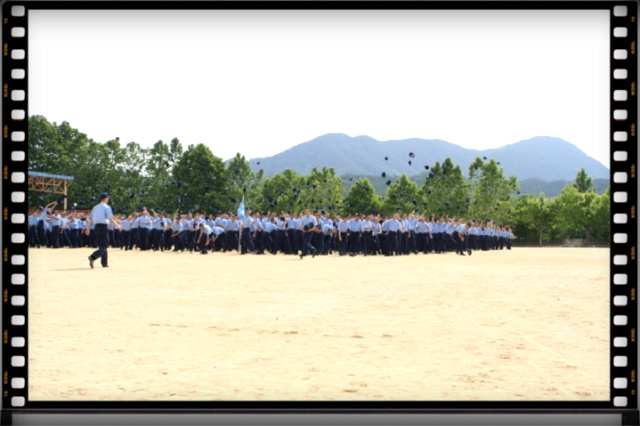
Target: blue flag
(241, 208)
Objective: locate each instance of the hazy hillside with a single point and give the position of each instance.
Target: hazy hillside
(545, 158)
(528, 186)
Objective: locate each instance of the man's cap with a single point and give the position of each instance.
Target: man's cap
(104, 195)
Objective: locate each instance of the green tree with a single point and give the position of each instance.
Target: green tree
(201, 183)
(280, 192)
(321, 190)
(402, 196)
(583, 214)
(492, 192)
(583, 182)
(362, 198)
(242, 181)
(447, 190)
(535, 214)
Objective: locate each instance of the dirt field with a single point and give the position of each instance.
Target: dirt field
(526, 324)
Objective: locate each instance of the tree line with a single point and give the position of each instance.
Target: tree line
(169, 178)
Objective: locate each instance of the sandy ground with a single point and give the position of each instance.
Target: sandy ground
(526, 324)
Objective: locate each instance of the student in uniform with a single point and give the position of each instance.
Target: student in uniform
(44, 214)
(282, 235)
(144, 223)
(355, 234)
(309, 223)
(32, 232)
(376, 230)
(291, 231)
(343, 235)
(458, 235)
(410, 232)
(101, 214)
(395, 226)
(218, 238)
(299, 235)
(269, 235)
(203, 239)
(246, 243)
(176, 234)
(509, 237)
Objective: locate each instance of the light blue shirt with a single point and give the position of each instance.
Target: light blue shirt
(309, 220)
(247, 221)
(207, 229)
(354, 225)
(33, 220)
(176, 226)
(269, 227)
(394, 225)
(101, 214)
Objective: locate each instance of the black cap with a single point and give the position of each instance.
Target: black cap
(104, 195)
(384, 174)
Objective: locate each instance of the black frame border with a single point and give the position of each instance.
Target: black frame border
(623, 262)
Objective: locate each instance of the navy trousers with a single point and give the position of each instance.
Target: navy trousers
(102, 240)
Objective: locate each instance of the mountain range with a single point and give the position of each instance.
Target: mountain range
(541, 158)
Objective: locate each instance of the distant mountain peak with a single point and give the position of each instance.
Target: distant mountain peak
(544, 157)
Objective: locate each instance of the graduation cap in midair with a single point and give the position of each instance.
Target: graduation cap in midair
(431, 174)
(386, 158)
(518, 192)
(258, 163)
(409, 162)
(484, 158)
(233, 200)
(384, 174)
(411, 155)
(426, 167)
(388, 182)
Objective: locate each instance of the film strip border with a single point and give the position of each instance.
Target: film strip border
(624, 195)
(14, 188)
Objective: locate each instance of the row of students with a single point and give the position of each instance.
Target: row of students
(294, 234)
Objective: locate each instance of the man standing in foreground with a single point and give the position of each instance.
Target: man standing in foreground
(100, 215)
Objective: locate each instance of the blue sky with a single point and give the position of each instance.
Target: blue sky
(259, 82)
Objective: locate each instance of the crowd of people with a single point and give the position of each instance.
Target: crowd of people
(303, 234)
